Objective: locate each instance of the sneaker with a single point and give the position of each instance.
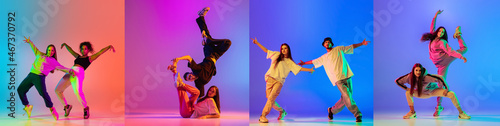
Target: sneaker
(330, 113)
(358, 119)
(458, 32)
(28, 109)
(438, 111)
(463, 116)
(54, 113)
(263, 119)
(203, 11)
(86, 113)
(67, 109)
(410, 115)
(282, 115)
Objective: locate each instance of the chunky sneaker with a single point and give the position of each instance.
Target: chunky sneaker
(203, 11)
(54, 113)
(86, 113)
(28, 109)
(330, 113)
(463, 116)
(410, 115)
(358, 119)
(282, 115)
(438, 111)
(67, 109)
(263, 119)
(458, 32)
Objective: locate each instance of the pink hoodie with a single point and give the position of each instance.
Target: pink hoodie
(440, 50)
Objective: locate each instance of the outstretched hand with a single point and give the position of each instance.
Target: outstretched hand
(465, 59)
(439, 12)
(301, 63)
(173, 67)
(112, 48)
(254, 40)
(174, 61)
(64, 44)
(365, 42)
(27, 40)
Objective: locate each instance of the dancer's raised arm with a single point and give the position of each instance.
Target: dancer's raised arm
(254, 40)
(70, 50)
(33, 47)
(360, 44)
(433, 24)
(103, 50)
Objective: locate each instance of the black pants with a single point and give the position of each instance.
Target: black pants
(39, 82)
(214, 48)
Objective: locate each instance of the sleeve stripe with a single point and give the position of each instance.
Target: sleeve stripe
(402, 85)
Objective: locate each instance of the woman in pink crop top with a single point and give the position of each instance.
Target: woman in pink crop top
(81, 63)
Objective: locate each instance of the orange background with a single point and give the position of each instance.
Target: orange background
(101, 23)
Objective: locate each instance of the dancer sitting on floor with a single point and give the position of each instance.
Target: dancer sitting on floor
(206, 107)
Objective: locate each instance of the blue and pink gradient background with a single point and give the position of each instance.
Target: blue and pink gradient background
(158, 31)
(101, 23)
(475, 83)
(304, 25)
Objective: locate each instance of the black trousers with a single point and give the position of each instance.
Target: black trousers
(39, 82)
(214, 48)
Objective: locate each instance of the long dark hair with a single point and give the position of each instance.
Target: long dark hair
(53, 56)
(280, 58)
(413, 79)
(433, 35)
(89, 46)
(216, 97)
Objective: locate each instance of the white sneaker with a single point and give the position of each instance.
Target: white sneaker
(458, 32)
(263, 119)
(54, 113)
(463, 116)
(28, 109)
(282, 115)
(410, 115)
(438, 111)
(203, 11)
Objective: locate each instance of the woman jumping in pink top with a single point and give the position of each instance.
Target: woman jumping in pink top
(441, 53)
